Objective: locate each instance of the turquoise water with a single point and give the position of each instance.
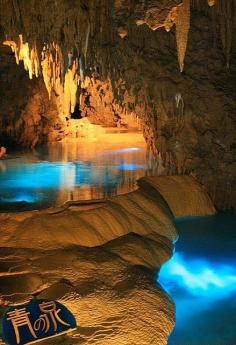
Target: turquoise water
(201, 279)
(81, 170)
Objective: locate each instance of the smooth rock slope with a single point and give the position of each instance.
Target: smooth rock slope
(100, 262)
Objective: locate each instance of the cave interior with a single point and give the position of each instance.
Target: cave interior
(118, 168)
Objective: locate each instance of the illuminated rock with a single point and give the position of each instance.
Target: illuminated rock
(70, 89)
(3, 151)
(211, 2)
(182, 30)
(100, 263)
(194, 200)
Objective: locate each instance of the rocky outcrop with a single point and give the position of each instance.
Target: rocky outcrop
(113, 302)
(101, 261)
(97, 102)
(194, 201)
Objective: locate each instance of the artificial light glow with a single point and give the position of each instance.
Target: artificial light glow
(124, 150)
(201, 290)
(130, 166)
(198, 277)
(82, 169)
(38, 175)
(22, 197)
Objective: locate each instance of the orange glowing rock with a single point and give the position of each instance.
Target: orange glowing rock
(47, 71)
(211, 2)
(70, 88)
(182, 31)
(14, 48)
(171, 19)
(52, 66)
(35, 61)
(23, 53)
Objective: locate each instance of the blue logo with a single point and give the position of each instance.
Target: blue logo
(37, 320)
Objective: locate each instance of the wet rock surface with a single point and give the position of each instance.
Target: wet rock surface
(101, 262)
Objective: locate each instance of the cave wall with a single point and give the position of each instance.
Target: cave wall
(27, 116)
(189, 117)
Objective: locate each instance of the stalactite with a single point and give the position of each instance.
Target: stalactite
(225, 12)
(171, 19)
(211, 2)
(46, 69)
(202, 4)
(81, 68)
(52, 67)
(182, 30)
(35, 61)
(86, 42)
(14, 48)
(23, 53)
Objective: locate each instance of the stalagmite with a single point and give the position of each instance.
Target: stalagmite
(182, 30)
(70, 88)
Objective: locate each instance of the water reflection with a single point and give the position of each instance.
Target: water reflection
(201, 279)
(76, 170)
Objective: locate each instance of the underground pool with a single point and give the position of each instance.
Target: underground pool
(77, 170)
(201, 279)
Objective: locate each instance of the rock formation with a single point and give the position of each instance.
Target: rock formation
(101, 260)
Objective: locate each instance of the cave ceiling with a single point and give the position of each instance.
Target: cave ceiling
(170, 63)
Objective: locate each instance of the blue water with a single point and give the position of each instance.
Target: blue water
(201, 279)
(71, 171)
